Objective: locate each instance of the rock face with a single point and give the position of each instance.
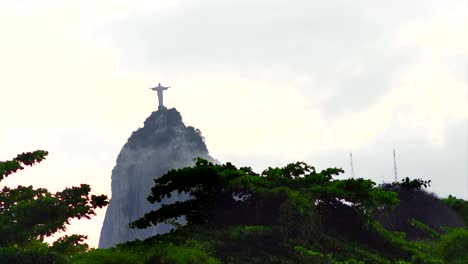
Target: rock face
(164, 143)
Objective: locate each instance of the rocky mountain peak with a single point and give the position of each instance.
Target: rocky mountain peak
(162, 144)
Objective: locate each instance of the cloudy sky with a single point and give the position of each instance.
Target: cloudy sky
(267, 82)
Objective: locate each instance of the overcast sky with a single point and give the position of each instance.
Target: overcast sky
(267, 82)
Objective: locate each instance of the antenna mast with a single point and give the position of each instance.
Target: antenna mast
(467, 133)
(352, 166)
(395, 165)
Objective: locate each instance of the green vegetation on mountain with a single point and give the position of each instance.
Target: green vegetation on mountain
(293, 214)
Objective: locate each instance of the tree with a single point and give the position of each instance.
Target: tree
(276, 214)
(459, 205)
(292, 214)
(28, 214)
(223, 195)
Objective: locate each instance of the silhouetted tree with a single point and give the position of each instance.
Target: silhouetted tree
(225, 195)
(28, 214)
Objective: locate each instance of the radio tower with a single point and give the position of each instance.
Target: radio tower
(466, 157)
(394, 165)
(467, 133)
(352, 166)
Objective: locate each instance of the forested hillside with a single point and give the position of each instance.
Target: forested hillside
(293, 214)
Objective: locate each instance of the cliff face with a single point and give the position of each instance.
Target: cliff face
(164, 143)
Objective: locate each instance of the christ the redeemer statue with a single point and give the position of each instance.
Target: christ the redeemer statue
(160, 90)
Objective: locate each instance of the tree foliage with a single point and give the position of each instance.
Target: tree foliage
(28, 214)
(298, 205)
(18, 163)
(459, 205)
(293, 214)
(226, 195)
(453, 245)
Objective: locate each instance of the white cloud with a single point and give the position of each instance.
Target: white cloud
(443, 34)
